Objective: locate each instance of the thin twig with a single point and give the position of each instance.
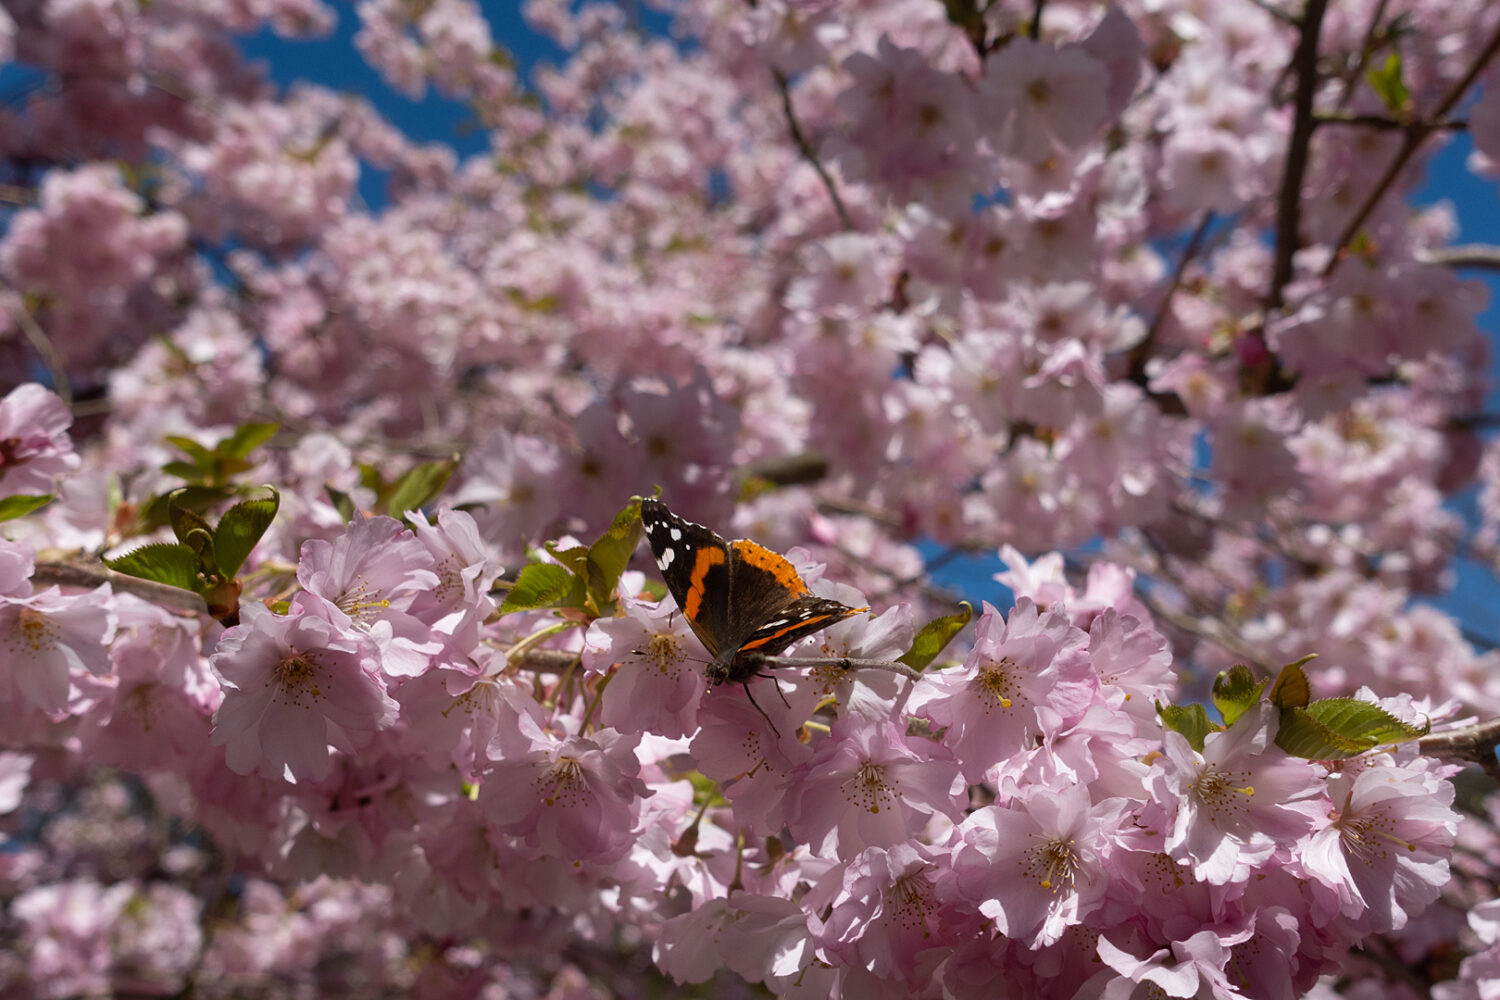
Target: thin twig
(1141, 353)
(1467, 255)
(1366, 49)
(1281, 15)
(1201, 627)
(842, 662)
(546, 661)
(73, 574)
(1475, 743)
(807, 151)
(1409, 146)
(1389, 124)
(1289, 208)
(1035, 31)
(46, 350)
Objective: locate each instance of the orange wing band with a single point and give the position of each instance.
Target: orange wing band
(708, 558)
(761, 557)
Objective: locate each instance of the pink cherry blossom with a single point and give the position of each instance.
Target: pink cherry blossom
(867, 786)
(1041, 863)
(1382, 851)
(295, 684)
(49, 640)
(580, 796)
(659, 680)
(1024, 677)
(34, 444)
(1042, 100)
(372, 576)
(1238, 802)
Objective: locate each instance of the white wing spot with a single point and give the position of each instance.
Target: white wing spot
(676, 534)
(666, 557)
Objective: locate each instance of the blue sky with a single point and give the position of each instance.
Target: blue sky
(334, 63)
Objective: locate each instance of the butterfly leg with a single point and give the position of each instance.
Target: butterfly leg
(748, 694)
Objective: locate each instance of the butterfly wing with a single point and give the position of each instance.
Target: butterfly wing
(802, 618)
(694, 562)
(770, 602)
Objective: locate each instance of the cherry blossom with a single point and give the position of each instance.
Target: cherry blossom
(1148, 299)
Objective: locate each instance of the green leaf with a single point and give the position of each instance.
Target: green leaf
(1189, 720)
(184, 470)
(611, 552)
(1386, 80)
(1236, 690)
(156, 511)
(19, 506)
(341, 502)
(1335, 728)
(240, 528)
(1291, 689)
(370, 479)
(185, 521)
(245, 439)
(539, 585)
(575, 558)
(203, 459)
(419, 487)
(1302, 735)
(934, 637)
(165, 562)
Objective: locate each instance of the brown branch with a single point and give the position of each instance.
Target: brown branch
(1389, 124)
(1413, 140)
(1278, 13)
(842, 662)
(1366, 49)
(1289, 207)
(1035, 29)
(1467, 255)
(1141, 353)
(788, 470)
(1472, 744)
(806, 149)
(82, 574)
(1207, 629)
(47, 351)
(546, 661)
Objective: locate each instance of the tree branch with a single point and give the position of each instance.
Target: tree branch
(1414, 139)
(842, 662)
(1389, 124)
(1467, 255)
(1366, 49)
(1474, 744)
(1289, 208)
(807, 151)
(1141, 353)
(79, 574)
(1278, 13)
(47, 351)
(1035, 29)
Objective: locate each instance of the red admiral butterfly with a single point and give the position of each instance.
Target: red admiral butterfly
(738, 597)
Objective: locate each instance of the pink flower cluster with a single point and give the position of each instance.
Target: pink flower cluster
(893, 281)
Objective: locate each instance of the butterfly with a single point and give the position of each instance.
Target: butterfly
(738, 597)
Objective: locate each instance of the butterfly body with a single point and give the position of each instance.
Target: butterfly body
(739, 597)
